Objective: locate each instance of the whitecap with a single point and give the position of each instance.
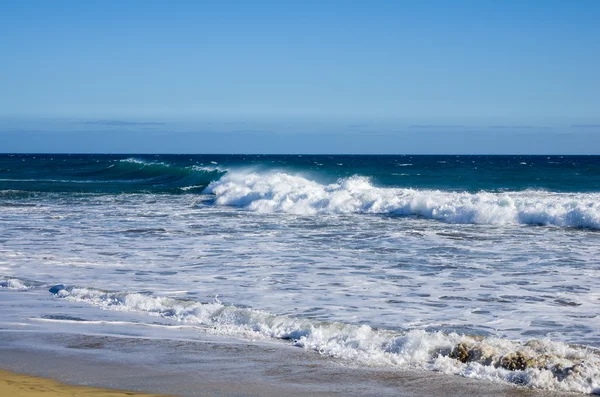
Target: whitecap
(286, 193)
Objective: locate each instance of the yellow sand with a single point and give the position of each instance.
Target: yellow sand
(17, 385)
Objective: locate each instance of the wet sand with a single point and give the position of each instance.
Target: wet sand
(211, 366)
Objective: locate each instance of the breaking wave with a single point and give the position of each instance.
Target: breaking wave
(17, 284)
(158, 175)
(130, 175)
(282, 192)
(538, 363)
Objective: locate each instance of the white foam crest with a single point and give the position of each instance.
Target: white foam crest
(11, 192)
(197, 168)
(15, 284)
(187, 188)
(133, 160)
(281, 192)
(201, 168)
(560, 366)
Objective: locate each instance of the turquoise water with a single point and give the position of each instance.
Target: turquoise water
(170, 173)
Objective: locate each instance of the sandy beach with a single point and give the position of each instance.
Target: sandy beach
(19, 385)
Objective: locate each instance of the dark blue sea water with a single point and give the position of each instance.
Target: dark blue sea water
(384, 261)
(170, 173)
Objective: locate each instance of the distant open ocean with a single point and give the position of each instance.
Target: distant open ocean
(485, 267)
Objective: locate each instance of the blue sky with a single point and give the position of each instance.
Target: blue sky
(310, 76)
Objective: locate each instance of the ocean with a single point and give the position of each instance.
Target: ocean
(484, 267)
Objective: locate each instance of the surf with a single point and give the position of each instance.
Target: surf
(537, 363)
(281, 192)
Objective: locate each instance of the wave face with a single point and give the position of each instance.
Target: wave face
(536, 363)
(176, 174)
(158, 176)
(108, 175)
(282, 192)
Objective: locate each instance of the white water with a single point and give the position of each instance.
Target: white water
(281, 192)
(15, 284)
(565, 368)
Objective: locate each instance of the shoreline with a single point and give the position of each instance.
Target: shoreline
(21, 385)
(221, 367)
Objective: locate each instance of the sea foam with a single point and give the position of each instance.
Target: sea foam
(282, 192)
(538, 363)
(16, 284)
